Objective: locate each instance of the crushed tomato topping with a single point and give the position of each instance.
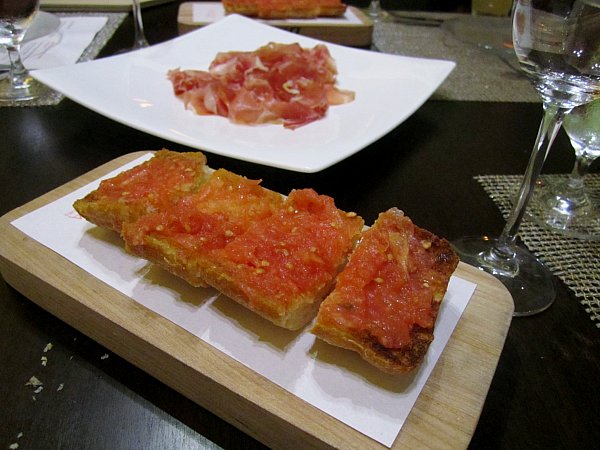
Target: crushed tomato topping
(161, 178)
(222, 208)
(389, 285)
(298, 249)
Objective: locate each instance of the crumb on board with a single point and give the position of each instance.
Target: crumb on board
(44, 361)
(33, 381)
(48, 347)
(15, 445)
(60, 387)
(105, 356)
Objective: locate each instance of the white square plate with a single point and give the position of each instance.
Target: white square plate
(133, 89)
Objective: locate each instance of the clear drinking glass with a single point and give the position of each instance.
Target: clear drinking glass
(557, 43)
(15, 18)
(374, 10)
(139, 37)
(565, 206)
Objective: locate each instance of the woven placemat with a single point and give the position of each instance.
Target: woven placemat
(479, 75)
(102, 37)
(576, 262)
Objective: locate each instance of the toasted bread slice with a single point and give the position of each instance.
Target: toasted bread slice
(285, 9)
(386, 300)
(285, 265)
(181, 237)
(278, 257)
(146, 188)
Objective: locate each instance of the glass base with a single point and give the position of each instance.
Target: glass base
(30, 90)
(378, 14)
(558, 208)
(527, 279)
(138, 45)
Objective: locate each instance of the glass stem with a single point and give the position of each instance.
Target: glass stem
(18, 72)
(573, 198)
(374, 9)
(580, 169)
(139, 38)
(503, 251)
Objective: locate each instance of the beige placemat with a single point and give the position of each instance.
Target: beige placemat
(576, 262)
(92, 50)
(480, 75)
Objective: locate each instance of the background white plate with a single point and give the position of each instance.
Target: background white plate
(133, 89)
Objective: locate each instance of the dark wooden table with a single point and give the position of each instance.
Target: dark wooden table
(545, 390)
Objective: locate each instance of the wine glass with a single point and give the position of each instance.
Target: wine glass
(565, 206)
(374, 11)
(557, 43)
(15, 17)
(139, 37)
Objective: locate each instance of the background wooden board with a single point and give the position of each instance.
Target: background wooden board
(445, 414)
(95, 5)
(351, 34)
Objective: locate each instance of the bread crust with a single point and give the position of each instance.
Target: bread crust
(160, 253)
(293, 314)
(201, 271)
(285, 9)
(394, 361)
(334, 329)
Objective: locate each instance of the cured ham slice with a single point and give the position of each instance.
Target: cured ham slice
(278, 83)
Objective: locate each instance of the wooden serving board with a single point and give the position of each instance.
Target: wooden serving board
(444, 416)
(355, 34)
